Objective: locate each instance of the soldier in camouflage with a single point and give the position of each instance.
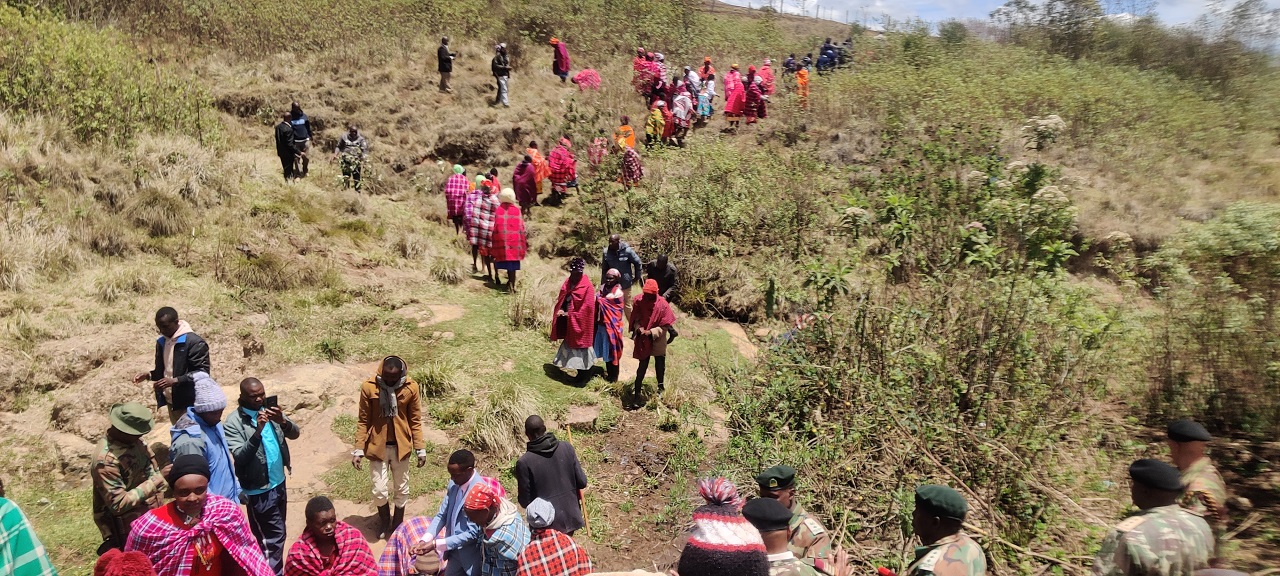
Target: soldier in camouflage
(1205, 493)
(1161, 540)
(126, 483)
(773, 520)
(946, 551)
(810, 541)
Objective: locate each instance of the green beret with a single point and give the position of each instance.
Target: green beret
(1188, 430)
(1156, 474)
(777, 478)
(941, 501)
(767, 515)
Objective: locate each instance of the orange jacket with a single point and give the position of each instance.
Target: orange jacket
(373, 429)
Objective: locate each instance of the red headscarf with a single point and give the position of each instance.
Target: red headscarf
(480, 497)
(580, 329)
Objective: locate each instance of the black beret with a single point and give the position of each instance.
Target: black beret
(1188, 430)
(1156, 474)
(777, 478)
(186, 465)
(941, 501)
(767, 514)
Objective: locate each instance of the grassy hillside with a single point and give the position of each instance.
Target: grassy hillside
(1014, 312)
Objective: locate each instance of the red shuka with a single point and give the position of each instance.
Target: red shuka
(581, 328)
(509, 242)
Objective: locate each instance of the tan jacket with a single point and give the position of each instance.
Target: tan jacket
(373, 429)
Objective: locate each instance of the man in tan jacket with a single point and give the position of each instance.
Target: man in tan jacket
(388, 431)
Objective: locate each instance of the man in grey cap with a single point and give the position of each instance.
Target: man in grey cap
(126, 481)
(199, 431)
(550, 551)
(1161, 540)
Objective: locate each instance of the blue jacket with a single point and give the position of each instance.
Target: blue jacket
(462, 537)
(625, 260)
(192, 435)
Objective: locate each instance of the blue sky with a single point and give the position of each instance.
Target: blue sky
(1170, 11)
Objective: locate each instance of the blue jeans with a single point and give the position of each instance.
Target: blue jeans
(266, 521)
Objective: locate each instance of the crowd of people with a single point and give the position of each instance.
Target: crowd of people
(218, 504)
(227, 504)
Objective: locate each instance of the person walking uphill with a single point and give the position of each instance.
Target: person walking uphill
(284, 146)
(258, 438)
(560, 62)
(501, 68)
(1206, 491)
(574, 321)
(126, 481)
(388, 431)
(1163, 539)
(651, 328)
(550, 470)
(510, 242)
(444, 64)
(455, 197)
(179, 354)
(564, 169)
(301, 137)
(200, 432)
(523, 181)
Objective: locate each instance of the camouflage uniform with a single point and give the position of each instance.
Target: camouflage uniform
(809, 539)
(955, 555)
(786, 564)
(126, 484)
(1163, 541)
(1206, 494)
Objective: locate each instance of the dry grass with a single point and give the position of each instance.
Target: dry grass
(119, 283)
(497, 425)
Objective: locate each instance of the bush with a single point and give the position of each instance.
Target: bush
(437, 378)
(1218, 355)
(448, 270)
(93, 78)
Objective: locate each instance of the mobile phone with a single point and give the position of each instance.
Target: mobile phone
(271, 402)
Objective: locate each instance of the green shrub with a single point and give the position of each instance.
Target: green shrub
(1218, 356)
(333, 349)
(93, 78)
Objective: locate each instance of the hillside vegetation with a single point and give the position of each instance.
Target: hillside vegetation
(1014, 261)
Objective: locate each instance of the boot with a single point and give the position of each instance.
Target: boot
(397, 520)
(384, 520)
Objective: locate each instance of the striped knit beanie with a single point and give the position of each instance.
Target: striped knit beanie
(722, 541)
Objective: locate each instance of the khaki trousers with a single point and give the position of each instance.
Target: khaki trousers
(383, 473)
(444, 81)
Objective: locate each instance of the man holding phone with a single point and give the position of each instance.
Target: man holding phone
(258, 437)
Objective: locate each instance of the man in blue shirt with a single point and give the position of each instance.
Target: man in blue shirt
(461, 542)
(199, 431)
(258, 437)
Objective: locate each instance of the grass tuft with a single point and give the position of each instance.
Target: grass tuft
(498, 425)
(436, 378)
(448, 270)
(119, 283)
(159, 213)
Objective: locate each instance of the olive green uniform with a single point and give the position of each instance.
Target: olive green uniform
(809, 539)
(955, 555)
(786, 564)
(1161, 541)
(1206, 494)
(126, 484)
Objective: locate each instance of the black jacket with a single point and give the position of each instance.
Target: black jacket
(284, 139)
(190, 354)
(550, 470)
(445, 57)
(501, 65)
